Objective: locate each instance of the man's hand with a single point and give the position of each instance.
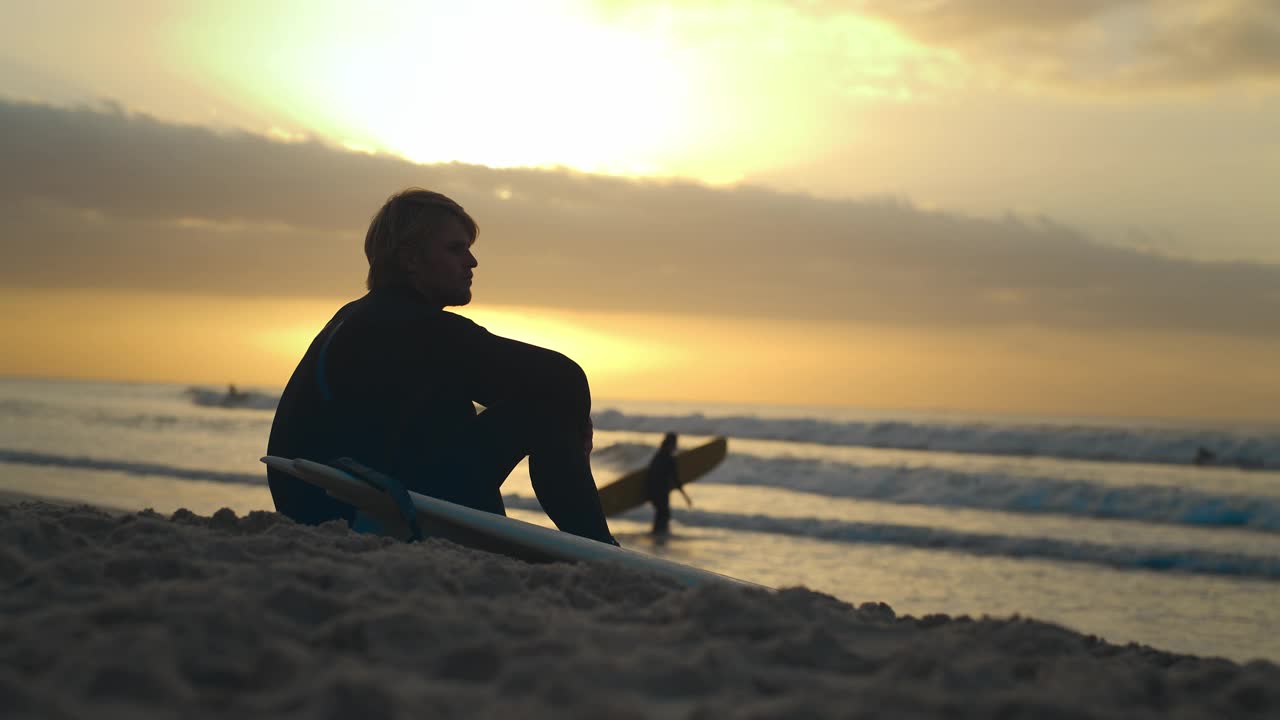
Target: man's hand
(686, 496)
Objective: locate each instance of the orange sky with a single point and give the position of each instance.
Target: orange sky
(967, 204)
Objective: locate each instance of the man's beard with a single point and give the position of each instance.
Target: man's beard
(462, 297)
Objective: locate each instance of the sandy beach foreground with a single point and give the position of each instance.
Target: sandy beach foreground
(109, 614)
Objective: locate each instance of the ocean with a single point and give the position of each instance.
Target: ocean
(1105, 526)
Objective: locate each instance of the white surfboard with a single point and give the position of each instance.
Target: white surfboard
(486, 531)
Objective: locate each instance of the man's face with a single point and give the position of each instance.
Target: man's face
(440, 265)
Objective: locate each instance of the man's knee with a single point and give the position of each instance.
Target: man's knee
(566, 390)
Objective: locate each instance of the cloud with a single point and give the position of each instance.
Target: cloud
(1110, 46)
(105, 199)
(963, 20)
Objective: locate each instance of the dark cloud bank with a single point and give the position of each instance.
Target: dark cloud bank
(93, 198)
(1150, 45)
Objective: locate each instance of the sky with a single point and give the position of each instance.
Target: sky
(1060, 207)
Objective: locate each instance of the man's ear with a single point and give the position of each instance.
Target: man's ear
(407, 257)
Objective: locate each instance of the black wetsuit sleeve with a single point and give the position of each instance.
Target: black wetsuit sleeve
(550, 394)
(499, 370)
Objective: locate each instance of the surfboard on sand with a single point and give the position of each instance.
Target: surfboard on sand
(482, 530)
(628, 491)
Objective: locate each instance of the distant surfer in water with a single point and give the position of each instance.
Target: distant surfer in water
(1204, 456)
(393, 379)
(662, 478)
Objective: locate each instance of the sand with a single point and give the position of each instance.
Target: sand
(108, 614)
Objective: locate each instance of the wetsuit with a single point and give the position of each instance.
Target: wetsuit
(660, 480)
(391, 381)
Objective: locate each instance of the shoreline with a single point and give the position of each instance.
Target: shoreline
(14, 497)
(254, 616)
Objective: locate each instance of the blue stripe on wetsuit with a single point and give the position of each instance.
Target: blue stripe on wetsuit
(325, 393)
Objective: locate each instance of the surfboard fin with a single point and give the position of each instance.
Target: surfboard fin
(389, 485)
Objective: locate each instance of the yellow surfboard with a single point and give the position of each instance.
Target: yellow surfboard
(628, 491)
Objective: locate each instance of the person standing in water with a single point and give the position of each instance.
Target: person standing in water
(662, 477)
(393, 380)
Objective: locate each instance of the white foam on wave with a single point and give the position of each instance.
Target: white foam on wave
(948, 487)
(1126, 557)
(930, 486)
(131, 418)
(80, 462)
(249, 399)
(1081, 442)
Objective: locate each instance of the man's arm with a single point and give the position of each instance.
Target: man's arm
(551, 398)
(496, 370)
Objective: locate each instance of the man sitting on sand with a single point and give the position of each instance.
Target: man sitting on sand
(392, 381)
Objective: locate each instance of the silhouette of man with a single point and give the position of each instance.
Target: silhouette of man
(393, 381)
(663, 477)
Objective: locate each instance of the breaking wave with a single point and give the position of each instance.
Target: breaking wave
(1078, 442)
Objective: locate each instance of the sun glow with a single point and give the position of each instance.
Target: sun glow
(625, 88)
(495, 83)
(599, 352)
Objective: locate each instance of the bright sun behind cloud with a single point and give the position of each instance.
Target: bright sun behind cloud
(717, 93)
(495, 83)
